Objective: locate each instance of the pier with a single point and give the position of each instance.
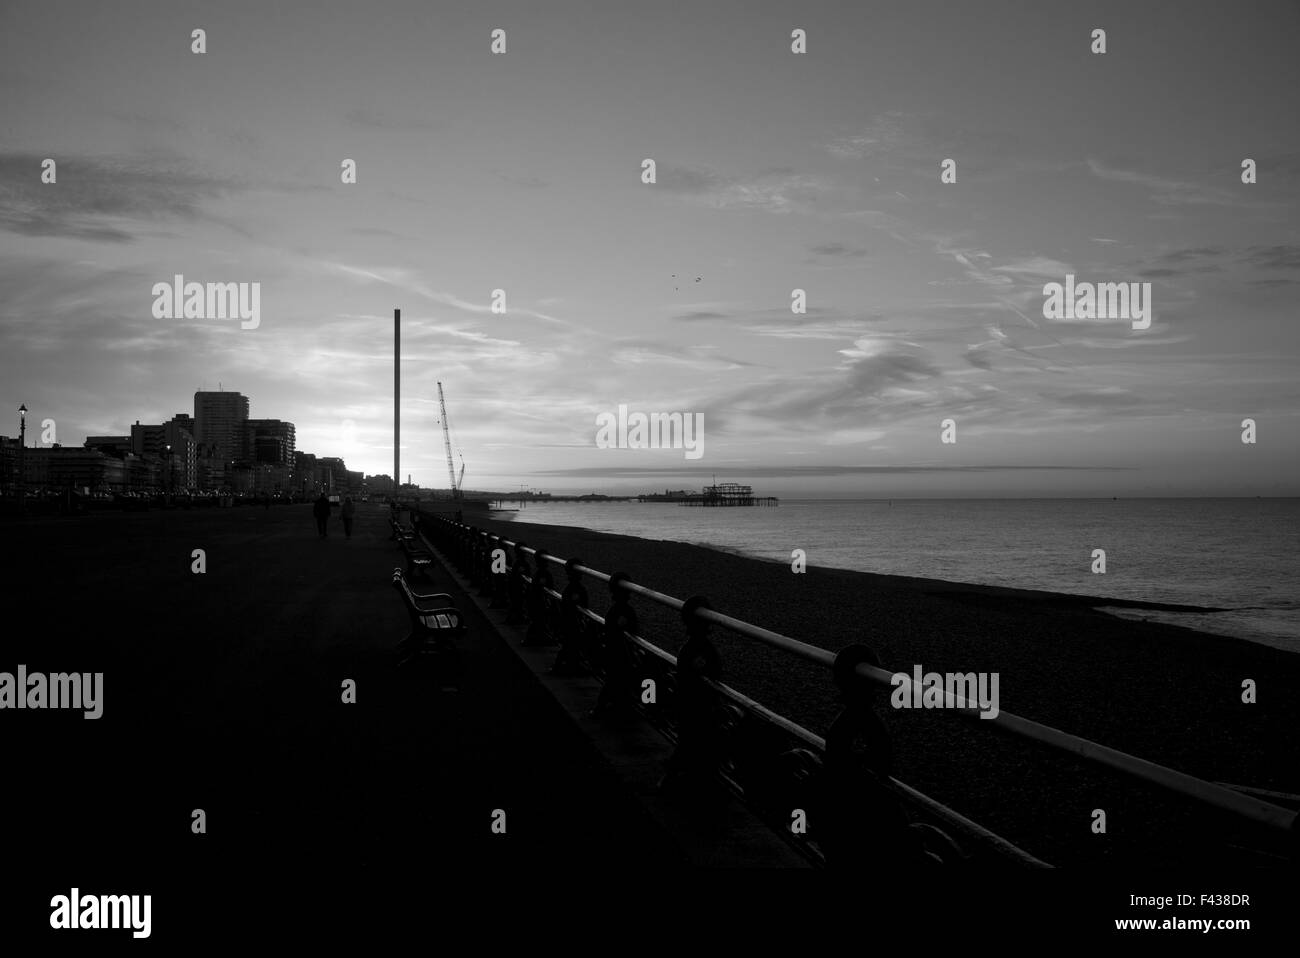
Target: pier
(502, 500)
(729, 494)
(721, 494)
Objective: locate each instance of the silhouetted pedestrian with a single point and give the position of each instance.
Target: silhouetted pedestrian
(349, 510)
(321, 510)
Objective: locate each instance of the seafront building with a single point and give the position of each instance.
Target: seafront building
(269, 441)
(218, 449)
(219, 421)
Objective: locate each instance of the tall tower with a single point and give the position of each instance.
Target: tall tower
(219, 419)
(397, 400)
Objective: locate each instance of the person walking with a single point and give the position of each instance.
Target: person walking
(349, 510)
(321, 510)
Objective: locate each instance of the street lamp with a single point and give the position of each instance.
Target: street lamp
(22, 445)
(168, 481)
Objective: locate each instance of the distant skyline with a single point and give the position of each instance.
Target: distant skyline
(775, 171)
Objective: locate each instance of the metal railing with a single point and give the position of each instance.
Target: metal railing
(811, 761)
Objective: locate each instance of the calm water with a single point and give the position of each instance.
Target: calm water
(1242, 554)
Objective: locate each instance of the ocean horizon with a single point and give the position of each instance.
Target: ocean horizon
(1241, 555)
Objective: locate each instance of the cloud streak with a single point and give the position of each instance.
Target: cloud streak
(103, 199)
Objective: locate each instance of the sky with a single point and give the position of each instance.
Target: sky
(775, 171)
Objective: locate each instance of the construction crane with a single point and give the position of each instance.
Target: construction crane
(446, 439)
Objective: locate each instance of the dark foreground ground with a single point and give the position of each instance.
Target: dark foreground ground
(222, 692)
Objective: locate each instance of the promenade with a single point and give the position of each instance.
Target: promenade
(222, 691)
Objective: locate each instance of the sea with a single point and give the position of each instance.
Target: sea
(1241, 555)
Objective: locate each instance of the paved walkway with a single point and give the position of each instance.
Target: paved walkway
(222, 691)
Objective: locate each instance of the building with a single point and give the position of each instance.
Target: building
(304, 480)
(113, 445)
(8, 465)
(270, 441)
(180, 463)
(332, 474)
(213, 471)
(219, 423)
(60, 467)
(264, 479)
(139, 473)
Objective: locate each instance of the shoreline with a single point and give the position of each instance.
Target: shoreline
(931, 585)
(1162, 692)
(1240, 618)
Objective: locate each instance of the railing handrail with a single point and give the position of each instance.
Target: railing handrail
(1246, 806)
(798, 732)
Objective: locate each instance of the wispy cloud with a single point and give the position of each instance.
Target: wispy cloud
(640, 353)
(815, 471)
(406, 280)
(1042, 267)
(838, 250)
(527, 182)
(881, 135)
(1285, 256)
(106, 199)
(1165, 190)
(774, 191)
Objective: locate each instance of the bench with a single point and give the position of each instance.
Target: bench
(435, 622)
(418, 558)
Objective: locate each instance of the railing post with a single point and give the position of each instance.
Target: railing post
(517, 586)
(538, 602)
(468, 541)
(460, 538)
(618, 693)
(497, 580)
(862, 820)
(573, 624)
(482, 561)
(698, 756)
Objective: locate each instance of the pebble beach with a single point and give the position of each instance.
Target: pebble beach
(1168, 694)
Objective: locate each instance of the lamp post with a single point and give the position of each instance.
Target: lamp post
(22, 445)
(167, 482)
